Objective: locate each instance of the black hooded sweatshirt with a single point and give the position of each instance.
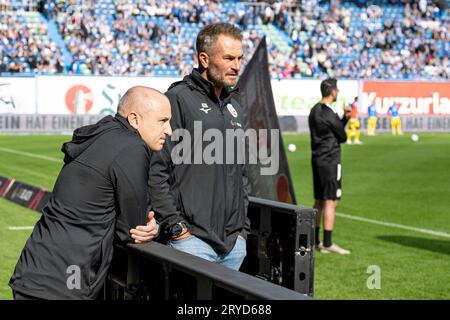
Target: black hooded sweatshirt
(211, 199)
(100, 192)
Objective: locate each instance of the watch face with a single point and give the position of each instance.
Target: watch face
(177, 229)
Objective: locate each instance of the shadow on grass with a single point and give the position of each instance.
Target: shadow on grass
(439, 246)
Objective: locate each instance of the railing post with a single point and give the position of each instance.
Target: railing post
(132, 291)
(304, 253)
(204, 289)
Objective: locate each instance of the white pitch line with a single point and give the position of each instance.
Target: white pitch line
(29, 154)
(21, 228)
(394, 225)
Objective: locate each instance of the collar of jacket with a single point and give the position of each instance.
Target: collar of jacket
(207, 87)
(124, 123)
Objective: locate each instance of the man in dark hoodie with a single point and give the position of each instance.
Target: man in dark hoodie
(202, 205)
(100, 193)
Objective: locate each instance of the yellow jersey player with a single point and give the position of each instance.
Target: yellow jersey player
(396, 124)
(353, 124)
(372, 124)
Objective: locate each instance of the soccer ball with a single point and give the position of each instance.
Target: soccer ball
(292, 147)
(414, 137)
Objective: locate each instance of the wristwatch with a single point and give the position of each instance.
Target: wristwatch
(178, 229)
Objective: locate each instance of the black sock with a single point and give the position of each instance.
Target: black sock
(327, 242)
(317, 236)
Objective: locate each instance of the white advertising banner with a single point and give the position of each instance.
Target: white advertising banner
(93, 95)
(48, 123)
(17, 95)
(100, 95)
(89, 95)
(297, 97)
(409, 123)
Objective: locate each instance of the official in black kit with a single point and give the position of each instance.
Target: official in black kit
(327, 133)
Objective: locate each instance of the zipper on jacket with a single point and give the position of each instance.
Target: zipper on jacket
(225, 169)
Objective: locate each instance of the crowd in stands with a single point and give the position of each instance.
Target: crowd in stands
(140, 38)
(24, 44)
(408, 41)
(346, 39)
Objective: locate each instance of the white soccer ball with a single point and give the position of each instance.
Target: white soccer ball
(292, 147)
(414, 137)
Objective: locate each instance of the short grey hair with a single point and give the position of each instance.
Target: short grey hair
(207, 37)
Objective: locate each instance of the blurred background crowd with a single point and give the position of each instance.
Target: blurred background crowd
(306, 39)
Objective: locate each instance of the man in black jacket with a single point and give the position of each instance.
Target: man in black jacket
(202, 204)
(327, 132)
(101, 192)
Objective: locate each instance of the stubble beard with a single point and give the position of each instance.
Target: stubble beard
(219, 80)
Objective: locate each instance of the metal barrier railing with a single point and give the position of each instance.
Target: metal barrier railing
(279, 263)
(153, 271)
(280, 247)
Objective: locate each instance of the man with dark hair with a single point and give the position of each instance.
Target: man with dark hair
(327, 132)
(202, 207)
(101, 193)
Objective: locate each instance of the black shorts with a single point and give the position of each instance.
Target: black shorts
(327, 180)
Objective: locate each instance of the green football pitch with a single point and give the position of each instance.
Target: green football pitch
(394, 215)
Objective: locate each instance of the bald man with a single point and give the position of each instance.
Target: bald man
(100, 194)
